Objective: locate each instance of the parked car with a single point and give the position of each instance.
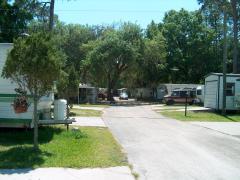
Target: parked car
(179, 96)
(102, 95)
(123, 96)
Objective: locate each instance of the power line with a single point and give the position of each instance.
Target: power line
(99, 10)
(109, 10)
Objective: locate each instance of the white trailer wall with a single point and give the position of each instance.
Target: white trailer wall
(230, 105)
(211, 92)
(7, 93)
(214, 91)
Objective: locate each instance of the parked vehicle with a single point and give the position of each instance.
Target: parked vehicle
(123, 96)
(179, 96)
(164, 89)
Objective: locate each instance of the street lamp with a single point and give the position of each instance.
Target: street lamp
(24, 34)
(174, 69)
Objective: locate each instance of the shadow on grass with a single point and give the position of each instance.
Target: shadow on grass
(21, 157)
(12, 137)
(72, 114)
(228, 116)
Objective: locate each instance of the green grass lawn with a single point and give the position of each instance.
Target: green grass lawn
(88, 147)
(201, 116)
(92, 105)
(174, 107)
(85, 112)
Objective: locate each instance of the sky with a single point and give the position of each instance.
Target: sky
(142, 12)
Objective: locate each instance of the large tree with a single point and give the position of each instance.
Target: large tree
(70, 39)
(15, 17)
(34, 63)
(189, 47)
(154, 60)
(215, 9)
(113, 54)
(235, 15)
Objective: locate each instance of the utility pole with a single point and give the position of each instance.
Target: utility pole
(51, 18)
(224, 63)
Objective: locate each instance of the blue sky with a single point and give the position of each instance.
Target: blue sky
(113, 11)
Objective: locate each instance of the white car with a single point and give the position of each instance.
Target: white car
(123, 96)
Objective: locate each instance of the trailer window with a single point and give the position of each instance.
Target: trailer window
(199, 92)
(183, 93)
(193, 93)
(175, 93)
(230, 91)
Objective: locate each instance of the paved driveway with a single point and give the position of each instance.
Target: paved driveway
(229, 128)
(88, 121)
(161, 148)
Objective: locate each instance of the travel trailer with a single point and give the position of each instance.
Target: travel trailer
(214, 91)
(10, 116)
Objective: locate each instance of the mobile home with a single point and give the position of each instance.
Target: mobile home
(214, 91)
(8, 116)
(87, 94)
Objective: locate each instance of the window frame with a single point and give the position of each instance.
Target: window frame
(230, 89)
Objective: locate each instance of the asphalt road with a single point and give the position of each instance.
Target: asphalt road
(163, 149)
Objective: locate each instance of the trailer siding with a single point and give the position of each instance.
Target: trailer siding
(214, 90)
(211, 93)
(7, 93)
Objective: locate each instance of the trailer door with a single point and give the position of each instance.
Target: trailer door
(211, 99)
(237, 94)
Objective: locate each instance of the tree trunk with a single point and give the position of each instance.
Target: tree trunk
(224, 65)
(236, 68)
(51, 18)
(35, 122)
(68, 107)
(109, 90)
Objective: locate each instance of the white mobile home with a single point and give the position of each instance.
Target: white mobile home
(214, 91)
(8, 117)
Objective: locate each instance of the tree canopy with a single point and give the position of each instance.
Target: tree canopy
(15, 17)
(113, 54)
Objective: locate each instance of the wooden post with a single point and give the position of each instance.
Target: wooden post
(35, 122)
(186, 105)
